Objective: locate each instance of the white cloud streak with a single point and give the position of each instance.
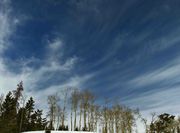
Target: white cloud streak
(4, 24)
(163, 93)
(32, 76)
(168, 73)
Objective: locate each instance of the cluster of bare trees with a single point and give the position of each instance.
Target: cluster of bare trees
(86, 114)
(57, 110)
(81, 104)
(118, 119)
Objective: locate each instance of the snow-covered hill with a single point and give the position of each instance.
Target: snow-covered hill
(59, 132)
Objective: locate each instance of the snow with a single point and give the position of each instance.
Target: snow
(59, 132)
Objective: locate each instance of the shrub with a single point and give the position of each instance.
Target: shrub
(76, 129)
(48, 131)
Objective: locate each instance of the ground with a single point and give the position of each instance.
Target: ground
(59, 132)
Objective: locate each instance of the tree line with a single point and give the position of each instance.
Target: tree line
(76, 110)
(87, 115)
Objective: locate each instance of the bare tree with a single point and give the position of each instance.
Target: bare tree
(91, 113)
(105, 119)
(96, 115)
(71, 116)
(58, 115)
(110, 115)
(87, 96)
(118, 118)
(104, 114)
(23, 100)
(153, 117)
(18, 93)
(81, 110)
(129, 119)
(52, 101)
(92, 117)
(74, 104)
(145, 124)
(64, 94)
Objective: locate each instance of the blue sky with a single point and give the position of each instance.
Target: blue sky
(119, 49)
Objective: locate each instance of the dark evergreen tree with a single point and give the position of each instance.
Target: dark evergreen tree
(39, 120)
(29, 108)
(15, 119)
(21, 119)
(164, 124)
(8, 123)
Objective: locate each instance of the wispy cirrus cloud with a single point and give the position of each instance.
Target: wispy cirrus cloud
(45, 79)
(4, 24)
(155, 90)
(50, 68)
(166, 74)
(164, 101)
(121, 47)
(7, 28)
